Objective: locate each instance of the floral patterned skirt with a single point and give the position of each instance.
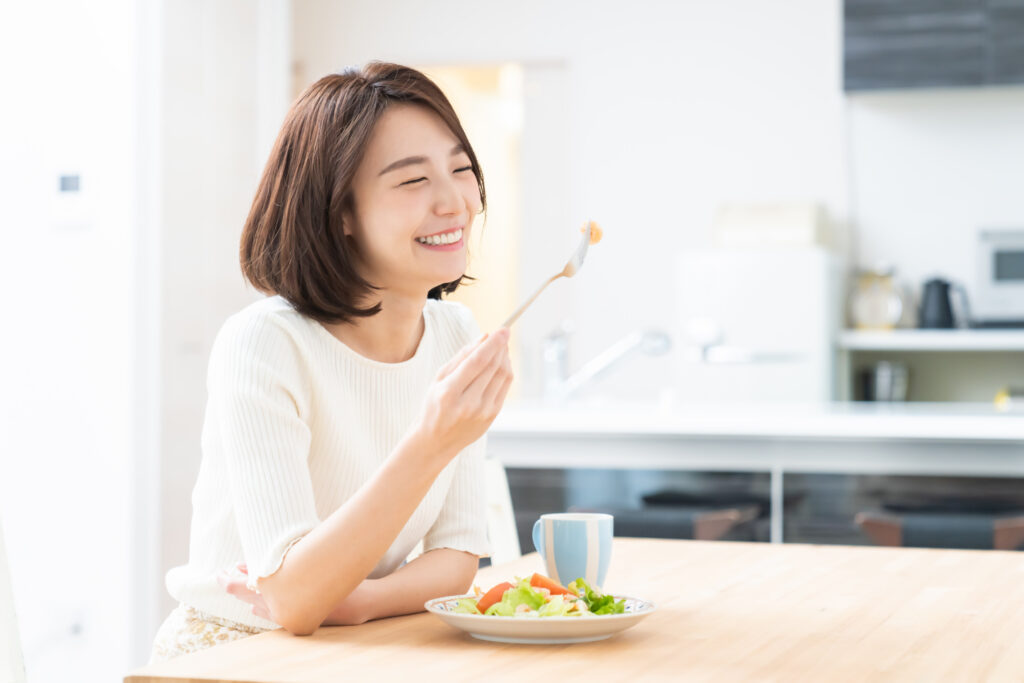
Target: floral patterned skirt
(187, 629)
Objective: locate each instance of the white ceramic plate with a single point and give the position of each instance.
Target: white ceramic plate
(540, 630)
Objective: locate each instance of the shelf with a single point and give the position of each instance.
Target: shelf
(932, 340)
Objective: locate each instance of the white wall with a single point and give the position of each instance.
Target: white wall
(929, 169)
(113, 296)
(667, 109)
(67, 348)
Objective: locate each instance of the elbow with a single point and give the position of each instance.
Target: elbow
(291, 613)
(299, 628)
(296, 623)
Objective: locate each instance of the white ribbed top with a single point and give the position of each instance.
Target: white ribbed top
(296, 422)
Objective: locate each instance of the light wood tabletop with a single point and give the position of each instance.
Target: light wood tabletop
(725, 612)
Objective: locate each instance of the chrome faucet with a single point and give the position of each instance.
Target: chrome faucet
(559, 385)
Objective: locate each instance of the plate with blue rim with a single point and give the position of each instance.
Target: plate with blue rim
(540, 630)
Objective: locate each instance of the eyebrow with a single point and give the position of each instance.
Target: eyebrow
(411, 161)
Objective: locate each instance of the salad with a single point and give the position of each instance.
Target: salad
(540, 596)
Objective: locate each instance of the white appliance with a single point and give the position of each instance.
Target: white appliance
(999, 289)
(756, 325)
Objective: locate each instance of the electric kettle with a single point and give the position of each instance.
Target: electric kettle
(937, 305)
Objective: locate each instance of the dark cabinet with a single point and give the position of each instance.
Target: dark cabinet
(932, 43)
(1006, 32)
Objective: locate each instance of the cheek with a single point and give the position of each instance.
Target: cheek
(472, 196)
(394, 217)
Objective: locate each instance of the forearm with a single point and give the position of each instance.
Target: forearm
(331, 561)
(443, 571)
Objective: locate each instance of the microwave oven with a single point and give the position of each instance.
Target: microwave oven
(999, 294)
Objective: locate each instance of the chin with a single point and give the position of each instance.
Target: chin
(452, 274)
(447, 280)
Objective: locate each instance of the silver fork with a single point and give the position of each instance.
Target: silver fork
(571, 268)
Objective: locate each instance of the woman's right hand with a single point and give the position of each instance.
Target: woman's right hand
(467, 395)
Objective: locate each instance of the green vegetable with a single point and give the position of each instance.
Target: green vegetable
(597, 602)
(466, 606)
(557, 606)
(551, 606)
(522, 594)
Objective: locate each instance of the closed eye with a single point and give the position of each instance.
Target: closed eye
(416, 180)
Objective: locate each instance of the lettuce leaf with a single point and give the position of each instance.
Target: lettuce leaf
(522, 594)
(597, 602)
(557, 606)
(466, 606)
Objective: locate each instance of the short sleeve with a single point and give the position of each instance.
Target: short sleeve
(256, 385)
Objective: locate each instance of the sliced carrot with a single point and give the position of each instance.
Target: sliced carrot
(541, 581)
(492, 596)
(595, 231)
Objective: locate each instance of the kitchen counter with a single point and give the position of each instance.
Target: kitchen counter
(847, 420)
(725, 611)
(937, 439)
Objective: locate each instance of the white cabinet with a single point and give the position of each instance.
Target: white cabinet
(756, 324)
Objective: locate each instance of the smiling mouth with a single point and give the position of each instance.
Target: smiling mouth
(441, 239)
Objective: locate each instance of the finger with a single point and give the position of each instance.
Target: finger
(478, 361)
(242, 567)
(231, 587)
(498, 384)
(240, 592)
(498, 400)
(447, 368)
(473, 394)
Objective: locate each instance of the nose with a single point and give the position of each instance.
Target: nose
(448, 198)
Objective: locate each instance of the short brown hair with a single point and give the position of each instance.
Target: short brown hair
(293, 243)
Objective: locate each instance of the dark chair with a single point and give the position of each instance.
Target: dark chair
(702, 523)
(971, 530)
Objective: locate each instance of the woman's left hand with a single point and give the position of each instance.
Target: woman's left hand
(235, 585)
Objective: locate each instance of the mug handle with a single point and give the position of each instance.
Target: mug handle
(538, 541)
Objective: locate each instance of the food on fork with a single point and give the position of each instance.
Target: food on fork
(595, 231)
(541, 596)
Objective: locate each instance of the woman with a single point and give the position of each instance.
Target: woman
(346, 412)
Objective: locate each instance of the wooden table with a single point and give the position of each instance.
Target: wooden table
(726, 611)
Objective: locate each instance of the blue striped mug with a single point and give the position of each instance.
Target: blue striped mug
(574, 545)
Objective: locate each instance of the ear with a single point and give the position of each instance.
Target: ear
(347, 221)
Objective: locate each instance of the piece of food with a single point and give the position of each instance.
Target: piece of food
(597, 602)
(541, 596)
(492, 596)
(466, 606)
(595, 231)
(541, 581)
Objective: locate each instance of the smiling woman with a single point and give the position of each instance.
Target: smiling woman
(343, 144)
(347, 411)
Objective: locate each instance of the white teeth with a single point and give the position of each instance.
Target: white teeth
(446, 238)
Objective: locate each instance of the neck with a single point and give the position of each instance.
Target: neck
(391, 336)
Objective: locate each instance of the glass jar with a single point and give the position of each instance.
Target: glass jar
(876, 302)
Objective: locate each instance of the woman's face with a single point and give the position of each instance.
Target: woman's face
(415, 199)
